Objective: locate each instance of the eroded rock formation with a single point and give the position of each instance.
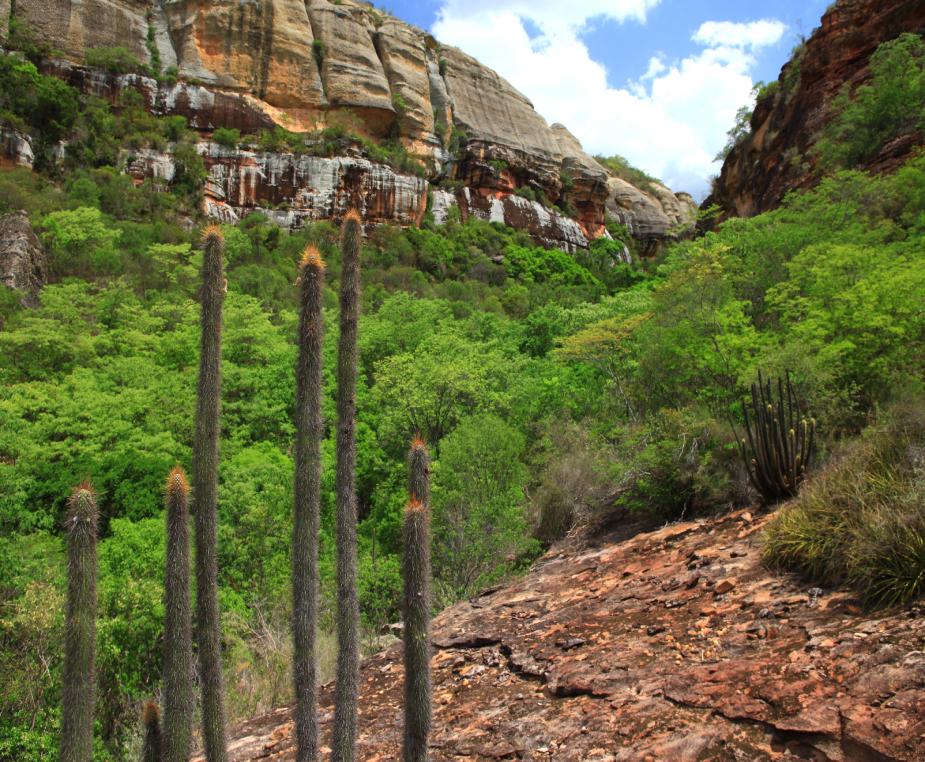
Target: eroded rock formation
(308, 65)
(22, 260)
(777, 157)
(675, 645)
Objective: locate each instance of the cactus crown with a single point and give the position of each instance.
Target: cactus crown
(311, 257)
(418, 443)
(177, 482)
(353, 216)
(212, 234)
(151, 714)
(414, 505)
(82, 505)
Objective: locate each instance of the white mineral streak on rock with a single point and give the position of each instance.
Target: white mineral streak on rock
(441, 202)
(311, 187)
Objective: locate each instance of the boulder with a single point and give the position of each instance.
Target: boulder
(23, 266)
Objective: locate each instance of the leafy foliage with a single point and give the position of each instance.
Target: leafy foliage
(892, 103)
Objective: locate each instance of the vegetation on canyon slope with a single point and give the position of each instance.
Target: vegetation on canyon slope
(555, 390)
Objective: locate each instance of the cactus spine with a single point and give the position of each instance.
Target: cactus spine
(179, 701)
(205, 495)
(309, 434)
(780, 440)
(80, 635)
(417, 602)
(151, 748)
(348, 609)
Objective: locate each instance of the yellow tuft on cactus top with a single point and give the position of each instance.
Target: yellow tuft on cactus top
(213, 233)
(414, 505)
(353, 216)
(418, 443)
(151, 714)
(311, 257)
(177, 482)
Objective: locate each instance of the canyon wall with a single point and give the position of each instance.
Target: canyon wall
(777, 156)
(253, 64)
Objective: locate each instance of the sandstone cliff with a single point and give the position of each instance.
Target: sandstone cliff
(777, 156)
(675, 645)
(308, 65)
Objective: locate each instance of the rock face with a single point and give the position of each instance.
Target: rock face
(675, 645)
(652, 217)
(253, 64)
(777, 157)
(22, 260)
(293, 189)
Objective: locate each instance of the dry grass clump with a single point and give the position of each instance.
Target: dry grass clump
(861, 520)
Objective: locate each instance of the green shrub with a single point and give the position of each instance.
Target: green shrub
(861, 520)
(115, 60)
(892, 103)
(227, 137)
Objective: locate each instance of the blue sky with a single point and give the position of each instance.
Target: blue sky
(658, 81)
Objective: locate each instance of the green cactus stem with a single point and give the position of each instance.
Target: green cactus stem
(309, 433)
(179, 698)
(348, 609)
(77, 685)
(205, 496)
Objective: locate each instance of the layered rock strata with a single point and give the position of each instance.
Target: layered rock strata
(253, 64)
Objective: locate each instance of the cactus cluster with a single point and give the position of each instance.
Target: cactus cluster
(80, 634)
(309, 433)
(416, 607)
(779, 439)
(172, 741)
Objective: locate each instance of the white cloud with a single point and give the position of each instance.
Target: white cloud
(671, 122)
(754, 34)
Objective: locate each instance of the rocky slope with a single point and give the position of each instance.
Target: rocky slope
(674, 645)
(309, 65)
(777, 157)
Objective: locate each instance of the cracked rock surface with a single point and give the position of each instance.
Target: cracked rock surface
(674, 645)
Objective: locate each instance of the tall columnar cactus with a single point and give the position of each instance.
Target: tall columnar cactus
(179, 700)
(205, 495)
(80, 635)
(151, 746)
(780, 440)
(348, 609)
(309, 434)
(416, 609)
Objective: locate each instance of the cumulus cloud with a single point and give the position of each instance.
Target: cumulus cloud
(671, 122)
(754, 34)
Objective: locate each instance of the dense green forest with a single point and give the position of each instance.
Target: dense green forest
(556, 391)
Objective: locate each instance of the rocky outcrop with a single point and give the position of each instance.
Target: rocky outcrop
(675, 645)
(310, 65)
(777, 156)
(548, 227)
(295, 189)
(22, 260)
(652, 217)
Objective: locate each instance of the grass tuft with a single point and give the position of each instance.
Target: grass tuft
(861, 521)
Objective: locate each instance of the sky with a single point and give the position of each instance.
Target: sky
(656, 81)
